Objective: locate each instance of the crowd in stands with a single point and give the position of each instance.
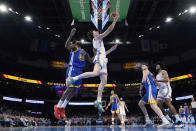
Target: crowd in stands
(11, 118)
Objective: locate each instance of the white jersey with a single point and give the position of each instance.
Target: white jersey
(122, 107)
(98, 44)
(100, 56)
(162, 85)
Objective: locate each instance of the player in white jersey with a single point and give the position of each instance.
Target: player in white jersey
(165, 92)
(122, 107)
(100, 61)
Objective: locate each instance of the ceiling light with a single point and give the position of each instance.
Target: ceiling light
(10, 9)
(192, 10)
(3, 8)
(82, 40)
(28, 18)
(168, 19)
(117, 41)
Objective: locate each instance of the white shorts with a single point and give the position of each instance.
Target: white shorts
(102, 60)
(122, 112)
(164, 93)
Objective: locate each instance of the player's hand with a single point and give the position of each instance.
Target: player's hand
(73, 31)
(116, 17)
(106, 108)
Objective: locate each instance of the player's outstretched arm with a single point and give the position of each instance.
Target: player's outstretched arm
(117, 98)
(109, 104)
(126, 107)
(68, 42)
(113, 48)
(109, 30)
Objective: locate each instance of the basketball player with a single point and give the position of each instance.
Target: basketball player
(164, 93)
(182, 114)
(150, 97)
(77, 62)
(122, 107)
(114, 100)
(186, 112)
(100, 61)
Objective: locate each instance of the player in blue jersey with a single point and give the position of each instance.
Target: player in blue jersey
(76, 64)
(150, 97)
(114, 100)
(186, 112)
(182, 114)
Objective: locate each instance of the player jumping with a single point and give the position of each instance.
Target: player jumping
(100, 61)
(77, 62)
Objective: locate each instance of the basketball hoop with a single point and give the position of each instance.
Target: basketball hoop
(100, 10)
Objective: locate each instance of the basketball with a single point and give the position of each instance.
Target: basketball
(113, 14)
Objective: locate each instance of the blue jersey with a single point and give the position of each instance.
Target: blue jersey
(186, 112)
(76, 64)
(114, 102)
(151, 90)
(149, 82)
(77, 58)
(182, 112)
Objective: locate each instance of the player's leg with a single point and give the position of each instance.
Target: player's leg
(113, 117)
(103, 79)
(103, 82)
(120, 118)
(156, 109)
(172, 108)
(66, 97)
(143, 108)
(160, 105)
(94, 73)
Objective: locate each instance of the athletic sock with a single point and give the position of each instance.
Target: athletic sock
(122, 122)
(64, 103)
(112, 121)
(99, 99)
(59, 104)
(147, 118)
(164, 120)
(168, 118)
(177, 117)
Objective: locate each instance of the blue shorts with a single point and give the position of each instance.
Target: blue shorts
(72, 72)
(114, 108)
(151, 95)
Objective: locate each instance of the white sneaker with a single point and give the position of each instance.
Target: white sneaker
(165, 124)
(148, 123)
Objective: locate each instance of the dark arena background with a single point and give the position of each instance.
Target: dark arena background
(34, 60)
